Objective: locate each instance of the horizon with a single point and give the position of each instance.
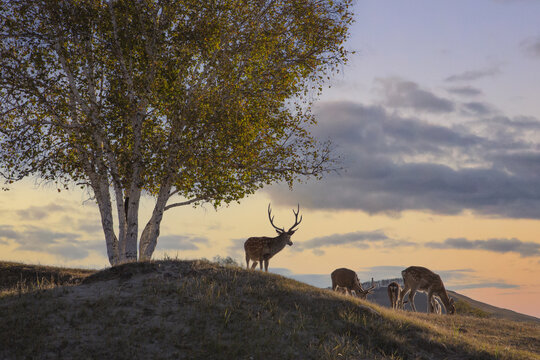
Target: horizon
(437, 122)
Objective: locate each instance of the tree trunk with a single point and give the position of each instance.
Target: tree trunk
(101, 192)
(132, 226)
(121, 210)
(149, 236)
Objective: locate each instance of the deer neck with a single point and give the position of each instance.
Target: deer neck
(358, 286)
(443, 295)
(278, 243)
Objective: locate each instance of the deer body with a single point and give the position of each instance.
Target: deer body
(394, 294)
(417, 278)
(262, 249)
(348, 279)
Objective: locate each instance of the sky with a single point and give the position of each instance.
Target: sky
(437, 121)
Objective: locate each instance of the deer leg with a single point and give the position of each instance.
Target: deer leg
(247, 261)
(266, 265)
(411, 299)
(254, 265)
(430, 303)
(261, 264)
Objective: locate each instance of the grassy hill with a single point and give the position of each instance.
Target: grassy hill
(197, 309)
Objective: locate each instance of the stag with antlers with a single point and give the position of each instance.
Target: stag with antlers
(417, 278)
(347, 279)
(262, 249)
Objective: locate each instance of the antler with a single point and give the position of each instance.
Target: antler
(296, 222)
(280, 230)
(367, 291)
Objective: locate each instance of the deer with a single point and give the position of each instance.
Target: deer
(417, 278)
(347, 279)
(262, 249)
(394, 293)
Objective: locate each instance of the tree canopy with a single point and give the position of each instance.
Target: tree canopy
(189, 101)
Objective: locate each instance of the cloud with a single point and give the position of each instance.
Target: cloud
(532, 47)
(42, 212)
(236, 248)
(69, 251)
(357, 239)
(399, 93)
(474, 74)
(503, 246)
(477, 108)
(497, 285)
(368, 130)
(89, 226)
(66, 245)
(465, 91)
(7, 233)
(181, 242)
(453, 275)
(394, 163)
(33, 238)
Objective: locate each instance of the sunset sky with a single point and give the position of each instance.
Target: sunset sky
(437, 121)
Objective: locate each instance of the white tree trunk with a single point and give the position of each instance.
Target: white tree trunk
(130, 251)
(149, 236)
(103, 199)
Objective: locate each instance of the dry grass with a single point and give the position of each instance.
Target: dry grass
(197, 309)
(18, 278)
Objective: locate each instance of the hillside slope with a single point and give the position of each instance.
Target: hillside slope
(380, 297)
(197, 309)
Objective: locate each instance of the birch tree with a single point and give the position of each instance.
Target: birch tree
(189, 101)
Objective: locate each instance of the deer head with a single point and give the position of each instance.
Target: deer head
(451, 308)
(363, 293)
(281, 231)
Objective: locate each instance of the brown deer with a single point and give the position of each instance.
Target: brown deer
(417, 278)
(394, 293)
(346, 278)
(262, 249)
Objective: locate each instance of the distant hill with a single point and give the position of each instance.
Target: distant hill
(494, 311)
(469, 306)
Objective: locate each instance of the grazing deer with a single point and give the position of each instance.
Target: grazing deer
(262, 249)
(394, 293)
(417, 278)
(346, 278)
